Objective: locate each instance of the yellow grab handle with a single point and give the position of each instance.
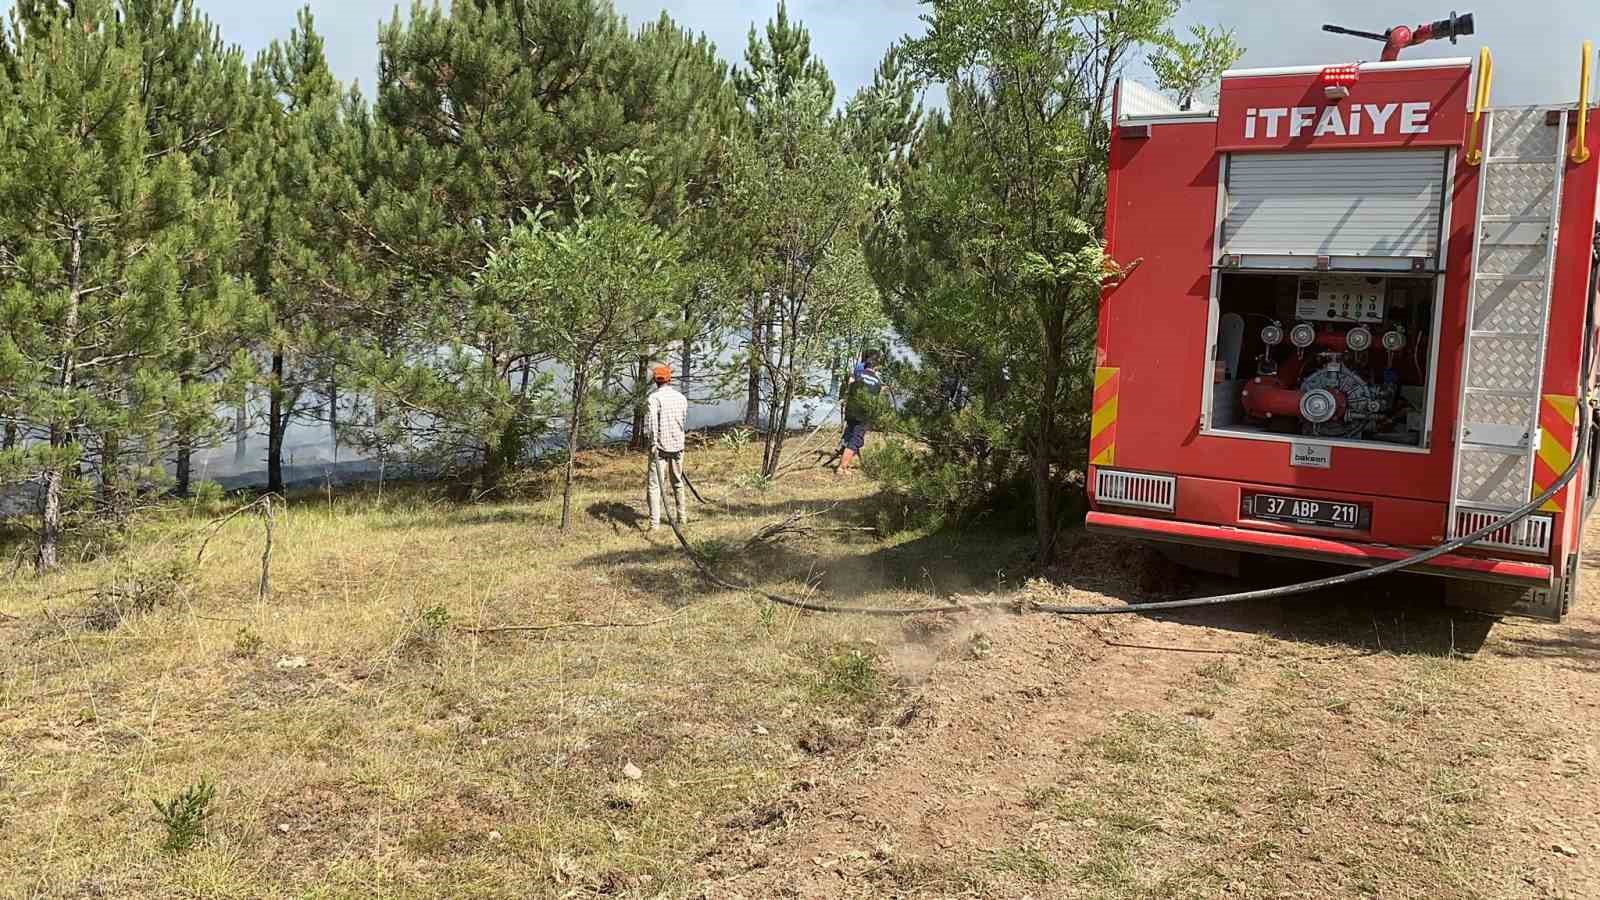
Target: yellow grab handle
(1580, 150)
(1485, 79)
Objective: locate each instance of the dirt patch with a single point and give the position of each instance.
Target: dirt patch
(1351, 744)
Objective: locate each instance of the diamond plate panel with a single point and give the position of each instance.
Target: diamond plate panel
(1487, 409)
(1515, 306)
(1522, 133)
(1503, 363)
(1518, 189)
(1511, 260)
(1493, 479)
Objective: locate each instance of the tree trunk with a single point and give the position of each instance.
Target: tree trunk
(182, 473)
(752, 402)
(686, 363)
(11, 436)
(778, 409)
(333, 415)
(277, 421)
(110, 458)
(636, 441)
(241, 430)
(769, 347)
(184, 461)
(574, 423)
(776, 436)
(1044, 494)
(61, 431)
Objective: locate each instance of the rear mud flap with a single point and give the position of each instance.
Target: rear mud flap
(1545, 604)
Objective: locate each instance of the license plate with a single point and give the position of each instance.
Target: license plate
(1305, 511)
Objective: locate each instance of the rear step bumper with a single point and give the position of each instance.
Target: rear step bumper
(1502, 571)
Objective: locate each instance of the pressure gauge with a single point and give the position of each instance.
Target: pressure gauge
(1272, 335)
(1303, 335)
(1359, 339)
(1318, 406)
(1394, 340)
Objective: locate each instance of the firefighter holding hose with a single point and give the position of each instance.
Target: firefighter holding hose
(665, 414)
(860, 398)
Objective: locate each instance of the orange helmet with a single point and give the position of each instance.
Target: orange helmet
(663, 374)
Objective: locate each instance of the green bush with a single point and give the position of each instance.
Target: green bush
(185, 815)
(737, 439)
(850, 674)
(949, 471)
(247, 643)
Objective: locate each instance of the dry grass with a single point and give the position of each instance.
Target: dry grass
(409, 757)
(1293, 790)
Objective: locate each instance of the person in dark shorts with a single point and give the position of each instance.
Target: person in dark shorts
(859, 394)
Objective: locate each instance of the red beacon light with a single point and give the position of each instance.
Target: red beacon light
(1338, 80)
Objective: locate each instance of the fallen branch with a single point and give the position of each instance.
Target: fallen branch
(555, 626)
(791, 527)
(215, 525)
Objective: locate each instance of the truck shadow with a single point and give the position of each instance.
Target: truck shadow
(1574, 645)
(1401, 614)
(1398, 614)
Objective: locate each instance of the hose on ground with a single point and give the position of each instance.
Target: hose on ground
(1586, 423)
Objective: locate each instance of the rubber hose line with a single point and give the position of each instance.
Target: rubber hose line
(1022, 606)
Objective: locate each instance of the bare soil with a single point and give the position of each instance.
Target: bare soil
(1369, 742)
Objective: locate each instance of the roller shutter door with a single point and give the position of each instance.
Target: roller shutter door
(1359, 203)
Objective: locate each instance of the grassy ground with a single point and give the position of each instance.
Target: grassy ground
(360, 734)
(361, 741)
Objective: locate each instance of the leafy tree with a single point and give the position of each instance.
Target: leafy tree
(995, 265)
(101, 232)
(800, 199)
(1186, 68)
(605, 287)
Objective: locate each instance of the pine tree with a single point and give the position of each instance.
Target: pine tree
(195, 93)
(686, 108)
(100, 232)
(295, 182)
(477, 109)
(799, 201)
(778, 64)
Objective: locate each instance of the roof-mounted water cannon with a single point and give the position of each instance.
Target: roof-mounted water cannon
(1402, 36)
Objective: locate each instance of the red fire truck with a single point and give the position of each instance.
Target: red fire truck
(1357, 322)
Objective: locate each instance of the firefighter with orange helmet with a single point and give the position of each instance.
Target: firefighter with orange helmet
(665, 415)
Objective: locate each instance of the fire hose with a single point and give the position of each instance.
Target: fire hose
(1022, 606)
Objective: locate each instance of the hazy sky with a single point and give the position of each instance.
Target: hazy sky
(1535, 42)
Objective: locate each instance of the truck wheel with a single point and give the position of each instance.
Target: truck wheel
(1548, 605)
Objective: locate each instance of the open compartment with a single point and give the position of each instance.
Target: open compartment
(1323, 355)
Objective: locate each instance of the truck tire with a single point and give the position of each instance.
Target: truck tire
(1548, 605)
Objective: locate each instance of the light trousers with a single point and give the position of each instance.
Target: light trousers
(671, 471)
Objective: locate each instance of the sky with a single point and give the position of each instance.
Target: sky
(1535, 42)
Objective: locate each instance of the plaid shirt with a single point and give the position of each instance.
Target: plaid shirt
(664, 420)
